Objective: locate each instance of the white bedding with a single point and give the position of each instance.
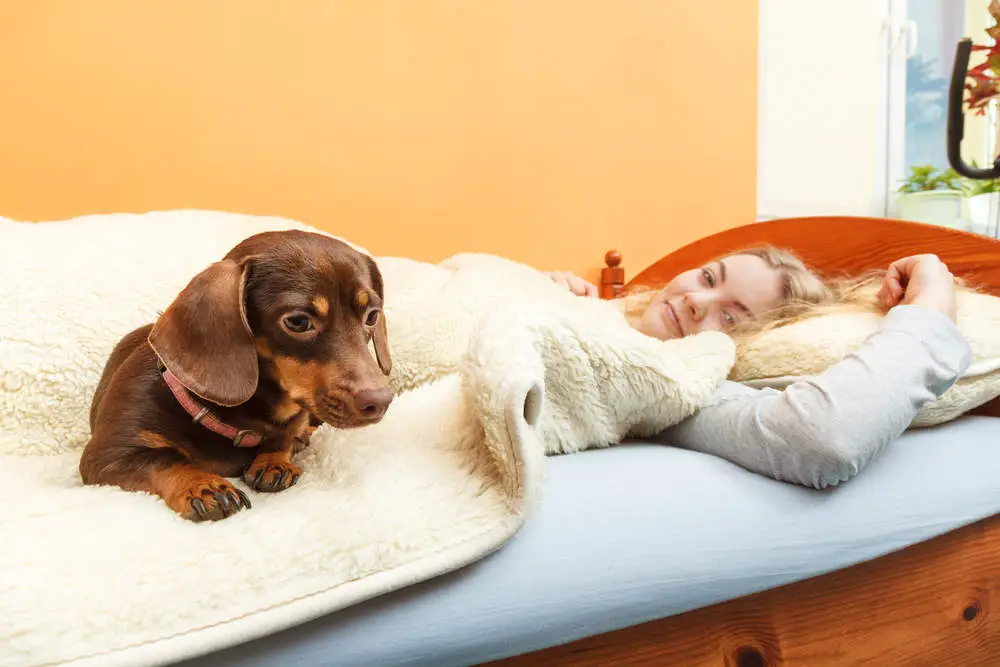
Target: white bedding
(665, 531)
(100, 576)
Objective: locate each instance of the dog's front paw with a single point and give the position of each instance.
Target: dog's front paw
(270, 472)
(208, 498)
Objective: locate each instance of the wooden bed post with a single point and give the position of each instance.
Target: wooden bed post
(613, 276)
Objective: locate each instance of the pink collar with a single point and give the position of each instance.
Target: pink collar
(204, 416)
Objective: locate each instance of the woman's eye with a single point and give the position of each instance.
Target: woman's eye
(372, 318)
(298, 322)
(729, 319)
(709, 277)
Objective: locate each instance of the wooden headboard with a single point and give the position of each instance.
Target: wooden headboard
(831, 245)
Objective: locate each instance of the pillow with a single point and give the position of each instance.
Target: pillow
(807, 348)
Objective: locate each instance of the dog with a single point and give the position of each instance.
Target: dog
(253, 353)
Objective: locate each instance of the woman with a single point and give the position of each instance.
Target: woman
(817, 432)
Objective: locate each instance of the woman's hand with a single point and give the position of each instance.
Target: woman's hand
(920, 280)
(574, 284)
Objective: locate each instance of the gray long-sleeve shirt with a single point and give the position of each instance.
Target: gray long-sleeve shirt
(822, 431)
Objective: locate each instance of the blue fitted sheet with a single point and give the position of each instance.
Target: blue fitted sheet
(642, 531)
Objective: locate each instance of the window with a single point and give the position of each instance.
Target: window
(853, 95)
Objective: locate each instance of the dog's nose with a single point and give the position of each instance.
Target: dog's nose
(371, 404)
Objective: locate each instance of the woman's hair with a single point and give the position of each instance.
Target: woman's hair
(847, 294)
(801, 288)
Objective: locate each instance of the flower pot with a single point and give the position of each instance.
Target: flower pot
(983, 210)
(936, 207)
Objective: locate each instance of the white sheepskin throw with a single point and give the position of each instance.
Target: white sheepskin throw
(809, 347)
(494, 366)
(604, 381)
(69, 290)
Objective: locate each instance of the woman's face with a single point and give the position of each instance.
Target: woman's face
(713, 298)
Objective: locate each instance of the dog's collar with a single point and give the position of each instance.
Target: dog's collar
(202, 415)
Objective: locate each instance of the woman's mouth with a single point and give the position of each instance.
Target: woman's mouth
(672, 319)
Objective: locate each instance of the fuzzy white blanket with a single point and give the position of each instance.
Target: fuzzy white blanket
(494, 365)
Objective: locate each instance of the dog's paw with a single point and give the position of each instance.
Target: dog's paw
(271, 472)
(208, 499)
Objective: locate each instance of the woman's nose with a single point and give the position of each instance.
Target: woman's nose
(695, 306)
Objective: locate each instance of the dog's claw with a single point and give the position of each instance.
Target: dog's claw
(295, 478)
(256, 479)
(243, 499)
(233, 501)
(199, 507)
(284, 478)
(225, 504)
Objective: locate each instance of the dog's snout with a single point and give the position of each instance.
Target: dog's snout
(371, 404)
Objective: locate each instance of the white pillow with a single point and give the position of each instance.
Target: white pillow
(809, 347)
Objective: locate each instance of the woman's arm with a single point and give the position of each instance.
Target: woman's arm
(823, 431)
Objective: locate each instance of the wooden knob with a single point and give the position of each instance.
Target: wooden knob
(612, 258)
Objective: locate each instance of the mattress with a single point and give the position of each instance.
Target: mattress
(643, 531)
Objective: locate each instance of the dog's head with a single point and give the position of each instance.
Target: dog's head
(303, 307)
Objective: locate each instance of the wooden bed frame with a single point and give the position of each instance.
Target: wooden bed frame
(928, 604)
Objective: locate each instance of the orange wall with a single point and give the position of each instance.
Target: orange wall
(547, 131)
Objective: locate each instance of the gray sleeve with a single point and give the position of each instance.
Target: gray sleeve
(822, 431)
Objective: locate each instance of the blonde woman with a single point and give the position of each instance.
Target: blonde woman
(823, 431)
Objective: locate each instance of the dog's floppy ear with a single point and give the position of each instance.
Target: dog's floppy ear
(382, 345)
(381, 336)
(204, 338)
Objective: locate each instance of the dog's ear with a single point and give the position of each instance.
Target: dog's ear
(381, 335)
(382, 345)
(204, 338)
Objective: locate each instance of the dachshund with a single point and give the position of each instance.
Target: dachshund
(253, 353)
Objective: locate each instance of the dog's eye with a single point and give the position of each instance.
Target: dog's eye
(297, 322)
(372, 318)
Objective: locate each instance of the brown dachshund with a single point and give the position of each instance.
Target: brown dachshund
(255, 349)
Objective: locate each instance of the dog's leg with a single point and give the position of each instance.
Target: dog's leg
(272, 469)
(193, 493)
(304, 438)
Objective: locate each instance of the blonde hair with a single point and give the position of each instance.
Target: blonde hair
(848, 294)
(801, 289)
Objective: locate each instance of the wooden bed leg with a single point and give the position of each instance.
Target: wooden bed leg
(613, 276)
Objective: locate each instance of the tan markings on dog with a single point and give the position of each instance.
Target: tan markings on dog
(263, 347)
(299, 379)
(285, 410)
(303, 438)
(321, 305)
(362, 298)
(154, 440)
(297, 429)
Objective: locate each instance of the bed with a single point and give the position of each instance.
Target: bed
(644, 554)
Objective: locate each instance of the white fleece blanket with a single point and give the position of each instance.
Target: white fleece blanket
(494, 368)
